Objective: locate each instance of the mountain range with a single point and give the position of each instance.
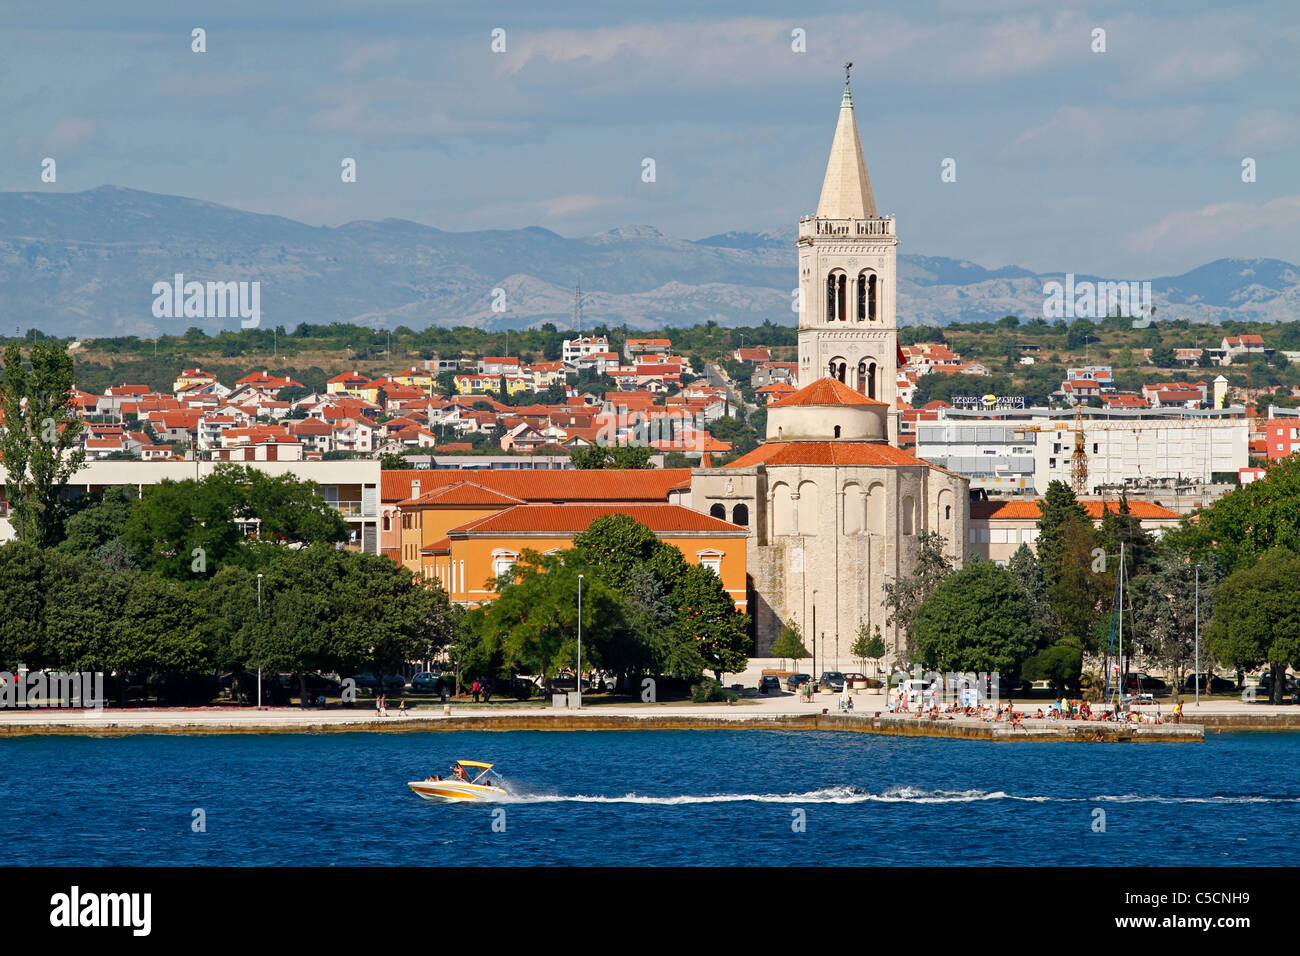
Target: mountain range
(85, 264)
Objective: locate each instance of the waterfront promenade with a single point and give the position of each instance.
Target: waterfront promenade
(784, 711)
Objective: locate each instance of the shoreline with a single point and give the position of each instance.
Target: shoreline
(777, 712)
(723, 718)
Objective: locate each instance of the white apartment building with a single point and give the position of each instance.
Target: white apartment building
(580, 348)
(1124, 447)
(352, 487)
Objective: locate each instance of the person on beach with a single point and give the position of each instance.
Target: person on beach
(1178, 712)
(402, 709)
(474, 688)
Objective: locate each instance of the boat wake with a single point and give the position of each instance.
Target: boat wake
(909, 795)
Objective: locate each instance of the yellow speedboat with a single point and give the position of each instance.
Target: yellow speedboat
(483, 786)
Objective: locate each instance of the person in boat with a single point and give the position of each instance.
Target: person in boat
(460, 773)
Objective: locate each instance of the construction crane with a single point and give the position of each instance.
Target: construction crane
(1079, 459)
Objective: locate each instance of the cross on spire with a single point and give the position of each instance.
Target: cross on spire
(848, 65)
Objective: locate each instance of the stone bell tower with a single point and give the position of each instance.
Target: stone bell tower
(848, 329)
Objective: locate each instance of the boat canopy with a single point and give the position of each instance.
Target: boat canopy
(474, 763)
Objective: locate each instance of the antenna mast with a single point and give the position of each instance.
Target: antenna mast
(577, 306)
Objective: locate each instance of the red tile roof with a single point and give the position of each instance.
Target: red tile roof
(825, 391)
(877, 454)
(610, 484)
(464, 493)
(576, 518)
(1029, 509)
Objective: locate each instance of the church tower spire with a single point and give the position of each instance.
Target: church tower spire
(848, 329)
(846, 190)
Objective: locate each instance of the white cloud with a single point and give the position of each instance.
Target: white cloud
(1215, 227)
(1091, 132)
(1261, 131)
(70, 133)
(372, 54)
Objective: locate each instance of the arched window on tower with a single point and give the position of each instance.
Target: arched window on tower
(862, 294)
(837, 431)
(873, 287)
(862, 377)
(841, 293)
(830, 298)
(871, 381)
(740, 515)
(719, 511)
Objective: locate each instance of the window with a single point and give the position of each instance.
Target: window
(386, 523)
(503, 561)
(711, 559)
(740, 515)
(719, 510)
(837, 431)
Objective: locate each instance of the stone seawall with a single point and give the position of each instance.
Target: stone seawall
(888, 725)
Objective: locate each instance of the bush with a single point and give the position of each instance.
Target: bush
(707, 692)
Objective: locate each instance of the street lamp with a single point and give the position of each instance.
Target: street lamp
(814, 623)
(259, 615)
(884, 607)
(577, 676)
(1197, 670)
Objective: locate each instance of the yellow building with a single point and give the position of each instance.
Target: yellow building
(472, 384)
(351, 383)
(416, 378)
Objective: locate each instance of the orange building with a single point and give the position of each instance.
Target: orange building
(462, 528)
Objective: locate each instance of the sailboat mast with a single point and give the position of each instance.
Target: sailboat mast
(1122, 669)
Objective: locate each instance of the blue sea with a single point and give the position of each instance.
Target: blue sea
(649, 799)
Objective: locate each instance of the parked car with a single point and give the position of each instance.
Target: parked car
(1210, 683)
(366, 680)
(862, 680)
(425, 682)
(769, 684)
(793, 682)
(832, 679)
(1265, 688)
(914, 689)
(563, 682)
(1012, 685)
(1138, 680)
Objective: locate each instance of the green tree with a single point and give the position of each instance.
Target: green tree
(1257, 618)
(611, 456)
(1059, 664)
(158, 631)
(1165, 609)
(789, 644)
(1163, 356)
(1122, 527)
(1059, 508)
(1080, 585)
(1248, 521)
(40, 438)
(904, 597)
(84, 601)
(708, 620)
(866, 645)
(1082, 331)
(22, 582)
(98, 521)
(978, 619)
(533, 622)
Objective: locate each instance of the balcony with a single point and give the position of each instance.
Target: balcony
(349, 509)
(812, 226)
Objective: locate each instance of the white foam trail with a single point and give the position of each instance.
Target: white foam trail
(852, 795)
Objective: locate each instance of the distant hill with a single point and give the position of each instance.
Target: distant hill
(85, 264)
